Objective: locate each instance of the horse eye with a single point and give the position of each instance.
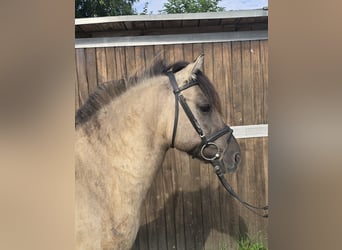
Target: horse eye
(205, 108)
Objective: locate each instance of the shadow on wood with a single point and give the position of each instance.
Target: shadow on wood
(176, 228)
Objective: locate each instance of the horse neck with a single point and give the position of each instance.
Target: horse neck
(132, 133)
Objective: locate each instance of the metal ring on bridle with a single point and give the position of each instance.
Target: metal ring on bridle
(217, 155)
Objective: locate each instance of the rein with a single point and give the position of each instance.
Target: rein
(206, 141)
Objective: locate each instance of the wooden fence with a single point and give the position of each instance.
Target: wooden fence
(186, 207)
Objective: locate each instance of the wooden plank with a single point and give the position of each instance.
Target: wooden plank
(197, 223)
(207, 223)
(169, 53)
(218, 76)
(259, 182)
(246, 84)
(172, 24)
(90, 55)
(138, 25)
(191, 24)
(208, 60)
(178, 52)
(251, 184)
(159, 52)
(111, 64)
(209, 22)
(257, 83)
(81, 76)
(237, 89)
(101, 65)
(149, 56)
(197, 49)
(153, 25)
(188, 55)
(229, 213)
(120, 63)
(264, 67)
(186, 187)
(139, 58)
(228, 80)
(130, 61)
(242, 182)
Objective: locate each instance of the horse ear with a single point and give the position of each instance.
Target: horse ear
(198, 64)
(192, 68)
(189, 72)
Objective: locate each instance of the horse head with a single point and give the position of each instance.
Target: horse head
(198, 127)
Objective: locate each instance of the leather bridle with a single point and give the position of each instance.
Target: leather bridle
(206, 141)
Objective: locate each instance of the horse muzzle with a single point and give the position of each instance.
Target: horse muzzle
(227, 165)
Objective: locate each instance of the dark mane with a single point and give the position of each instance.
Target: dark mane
(107, 91)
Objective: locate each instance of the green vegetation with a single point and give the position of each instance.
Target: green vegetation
(191, 6)
(96, 8)
(246, 243)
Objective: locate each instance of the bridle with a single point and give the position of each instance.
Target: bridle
(206, 141)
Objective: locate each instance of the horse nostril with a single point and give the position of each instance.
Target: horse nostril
(237, 158)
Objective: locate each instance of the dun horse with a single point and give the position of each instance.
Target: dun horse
(122, 135)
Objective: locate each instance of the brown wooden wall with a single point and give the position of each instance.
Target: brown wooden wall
(186, 207)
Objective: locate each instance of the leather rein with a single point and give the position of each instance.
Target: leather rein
(206, 141)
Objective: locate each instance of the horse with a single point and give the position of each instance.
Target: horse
(123, 132)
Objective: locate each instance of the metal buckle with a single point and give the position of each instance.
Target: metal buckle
(216, 156)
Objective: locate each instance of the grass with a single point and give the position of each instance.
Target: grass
(247, 243)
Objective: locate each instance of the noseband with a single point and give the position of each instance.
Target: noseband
(206, 141)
